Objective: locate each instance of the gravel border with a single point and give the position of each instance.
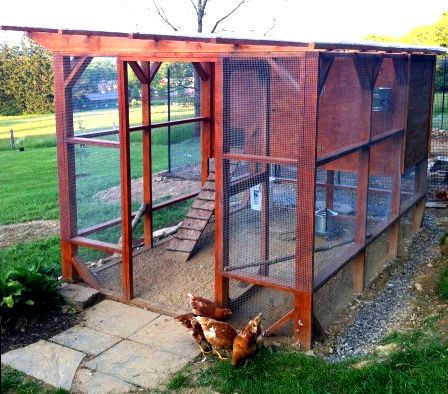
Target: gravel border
(375, 317)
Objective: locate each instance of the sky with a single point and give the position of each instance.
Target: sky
(311, 20)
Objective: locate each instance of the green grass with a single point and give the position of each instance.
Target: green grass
(442, 284)
(415, 369)
(15, 382)
(22, 255)
(37, 131)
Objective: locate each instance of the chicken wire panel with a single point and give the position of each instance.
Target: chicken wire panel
(344, 102)
(136, 164)
(98, 193)
(260, 229)
(95, 97)
(335, 211)
(263, 100)
(247, 300)
(380, 186)
(134, 99)
(175, 93)
(407, 187)
(440, 105)
(389, 96)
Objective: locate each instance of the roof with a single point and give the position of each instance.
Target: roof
(102, 96)
(234, 40)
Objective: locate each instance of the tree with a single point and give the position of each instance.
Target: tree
(199, 7)
(26, 79)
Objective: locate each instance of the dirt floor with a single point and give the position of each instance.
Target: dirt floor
(11, 234)
(164, 187)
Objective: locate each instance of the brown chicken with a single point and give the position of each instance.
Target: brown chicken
(245, 343)
(219, 334)
(206, 308)
(188, 320)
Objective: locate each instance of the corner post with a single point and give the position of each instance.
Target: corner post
(126, 224)
(66, 165)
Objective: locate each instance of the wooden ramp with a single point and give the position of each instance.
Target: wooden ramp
(182, 244)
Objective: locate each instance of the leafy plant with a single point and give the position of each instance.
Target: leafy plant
(26, 289)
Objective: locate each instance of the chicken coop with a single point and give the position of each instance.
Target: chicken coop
(306, 174)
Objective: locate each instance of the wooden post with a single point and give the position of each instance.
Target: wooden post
(147, 155)
(221, 194)
(358, 265)
(396, 198)
(306, 184)
(66, 165)
(330, 189)
(126, 224)
(207, 87)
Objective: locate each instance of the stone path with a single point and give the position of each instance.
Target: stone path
(117, 348)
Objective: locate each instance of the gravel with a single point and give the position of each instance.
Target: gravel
(377, 316)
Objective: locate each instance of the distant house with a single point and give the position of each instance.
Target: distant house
(100, 100)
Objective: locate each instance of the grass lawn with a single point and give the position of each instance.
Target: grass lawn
(15, 382)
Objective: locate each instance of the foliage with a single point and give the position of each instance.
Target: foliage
(15, 382)
(26, 289)
(26, 79)
(442, 284)
(435, 34)
(45, 251)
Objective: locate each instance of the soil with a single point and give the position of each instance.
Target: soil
(45, 325)
(163, 187)
(11, 234)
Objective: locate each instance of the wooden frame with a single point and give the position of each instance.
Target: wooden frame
(144, 54)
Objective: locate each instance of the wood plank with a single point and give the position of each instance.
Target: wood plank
(178, 122)
(176, 200)
(95, 244)
(191, 234)
(196, 213)
(201, 70)
(76, 72)
(125, 180)
(93, 142)
(279, 323)
(207, 128)
(209, 185)
(85, 274)
(147, 156)
(66, 165)
(260, 159)
(181, 245)
(195, 224)
(139, 73)
(153, 70)
(204, 204)
(207, 195)
(358, 267)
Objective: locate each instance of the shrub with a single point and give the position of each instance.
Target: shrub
(442, 285)
(28, 289)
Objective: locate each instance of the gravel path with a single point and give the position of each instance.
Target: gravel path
(377, 316)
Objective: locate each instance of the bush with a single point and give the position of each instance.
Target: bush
(28, 290)
(442, 285)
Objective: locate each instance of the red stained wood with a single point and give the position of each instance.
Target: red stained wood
(139, 73)
(93, 142)
(66, 164)
(95, 244)
(178, 122)
(153, 70)
(77, 71)
(85, 273)
(147, 154)
(279, 323)
(176, 200)
(358, 266)
(207, 127)
(126, 224)
(361, 196)
(201, 70)
(303, 320)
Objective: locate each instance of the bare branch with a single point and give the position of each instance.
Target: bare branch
(194, 5)
(226, 16)
(162, 14)
(274, 22)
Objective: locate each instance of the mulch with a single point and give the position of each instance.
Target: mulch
(26, 330)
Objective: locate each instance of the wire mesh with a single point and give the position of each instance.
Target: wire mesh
(407, 187)
(389, 97)
(335, 212)
(344, 103)
(95, 98)
(260, 229)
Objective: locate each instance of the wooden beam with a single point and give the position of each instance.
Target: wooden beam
(66, 164)
(395, 197)
(141, 76)
(85, 273)
(147, 155)
(207, 87)
(95, 244)
(201, 70)
(279, 323)
(358, 266)
(77, 71)
(178, 122)
(153, 70)
(221, 200)
(306, 187)
(93, 142)
(125, 166)
(173, 201)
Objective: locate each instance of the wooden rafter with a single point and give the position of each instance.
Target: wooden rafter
(77, 70)
(153, 70)
(201, 71)
(139, 72)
